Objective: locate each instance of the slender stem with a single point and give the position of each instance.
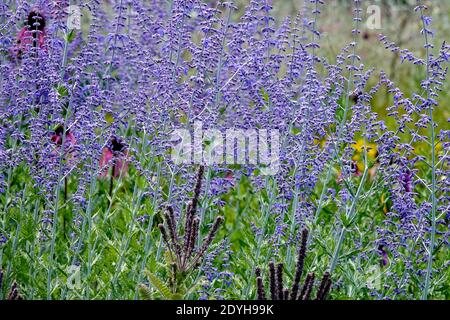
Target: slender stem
(126, 239)
(336, 254)
(433, 167)
(148, 242)
(109, 68)
(65, 189)
(33, 268)
(271, 198)
(335, 258)
(311, 63)
(111, 181)
(58, 186)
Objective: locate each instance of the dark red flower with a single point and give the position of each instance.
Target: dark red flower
(32, 34)
(58, 136)
(406, 181)
(114, 155)
(70, 141)
(384, 256)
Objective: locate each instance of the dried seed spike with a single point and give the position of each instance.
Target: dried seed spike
(258, 272)
(171, 213)
(193, 237)
(280, 281)
(174, 272)
(272, 280)
(326, 289)
(188, 211)
(164, 235)
(209, 238)
(197, 190)
(188, 206)
(174, 268)
(323, 283)
(171, 222)
(187, 230)
(307, 288)
(286, 294)
(1, 280)
(305, 285)
(300, 264)
(192, 209)
(13, 292)
(261, 292)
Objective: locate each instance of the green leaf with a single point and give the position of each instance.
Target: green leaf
(177, 296)
(183, 118)
(62, 91)
(71, 36)
(265, 95)
(109, 117)
(168, 257)
(159, 285)
(295, 131)
(145, 292)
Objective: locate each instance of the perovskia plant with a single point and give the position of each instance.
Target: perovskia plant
(364, 162)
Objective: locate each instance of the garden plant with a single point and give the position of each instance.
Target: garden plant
(220, 149)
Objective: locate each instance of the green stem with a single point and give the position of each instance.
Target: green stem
(433, 169)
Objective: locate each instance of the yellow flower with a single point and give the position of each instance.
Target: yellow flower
(359, 147)
(320, 142)
(371, 148)
(385, 203)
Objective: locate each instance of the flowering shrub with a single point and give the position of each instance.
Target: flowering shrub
(77, 106)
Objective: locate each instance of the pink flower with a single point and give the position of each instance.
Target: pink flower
(384, 256)
(70, 141)
(57, 137)
(114, 156)
(32, 34)
(230, 176)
